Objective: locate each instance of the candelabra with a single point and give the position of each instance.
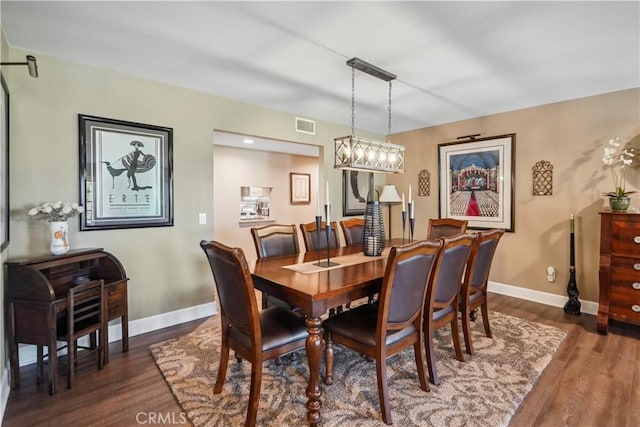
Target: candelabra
(404, 222)
(327, 262)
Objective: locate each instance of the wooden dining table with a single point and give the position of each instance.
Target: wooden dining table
(317, 292)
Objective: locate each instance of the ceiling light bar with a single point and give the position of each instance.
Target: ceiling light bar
(355, 153)
(368, 155)
(370, 69)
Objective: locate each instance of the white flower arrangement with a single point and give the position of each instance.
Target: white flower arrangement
(613, 158)
(56, 211)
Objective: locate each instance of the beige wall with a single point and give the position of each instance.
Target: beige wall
(236, 167)
(571, 136)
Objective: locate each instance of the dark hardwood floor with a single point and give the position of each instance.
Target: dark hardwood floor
(593, 380)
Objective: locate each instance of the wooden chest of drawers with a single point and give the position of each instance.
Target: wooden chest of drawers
(619, 269)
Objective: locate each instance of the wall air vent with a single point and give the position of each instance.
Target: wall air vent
(305, 126)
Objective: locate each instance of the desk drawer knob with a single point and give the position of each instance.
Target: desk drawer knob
(635, 285)
(636, 239)
(635, 308)
(636, 266)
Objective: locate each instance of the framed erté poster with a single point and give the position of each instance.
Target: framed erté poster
(126, 174)
(477, 181)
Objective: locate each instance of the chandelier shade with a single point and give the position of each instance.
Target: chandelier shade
(355, 153)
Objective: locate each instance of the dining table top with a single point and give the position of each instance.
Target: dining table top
(321, 288)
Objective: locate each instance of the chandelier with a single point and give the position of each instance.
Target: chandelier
(363, 154)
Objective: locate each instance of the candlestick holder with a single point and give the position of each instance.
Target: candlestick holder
(318, 231)
(404, 222)
(327, 262)
(412, 223)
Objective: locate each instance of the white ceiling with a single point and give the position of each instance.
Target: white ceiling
(454, 60)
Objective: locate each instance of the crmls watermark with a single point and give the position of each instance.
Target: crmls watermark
(161, 418)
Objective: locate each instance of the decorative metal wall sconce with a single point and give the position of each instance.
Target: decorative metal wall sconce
(31, 64)
(424, 183)
(543, 178)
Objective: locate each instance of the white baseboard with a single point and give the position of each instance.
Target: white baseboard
(27, 353)
(587, 307)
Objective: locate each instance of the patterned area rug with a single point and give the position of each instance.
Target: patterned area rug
(485, 390)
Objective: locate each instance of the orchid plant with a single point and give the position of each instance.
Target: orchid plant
(56, 211)
(612, 159)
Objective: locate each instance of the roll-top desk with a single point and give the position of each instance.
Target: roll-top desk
(619, 269)
(36, 290)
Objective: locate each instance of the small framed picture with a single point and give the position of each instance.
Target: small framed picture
(126, 174)
(477, 181)
(300, 188)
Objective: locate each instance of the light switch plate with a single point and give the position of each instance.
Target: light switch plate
(202, 218)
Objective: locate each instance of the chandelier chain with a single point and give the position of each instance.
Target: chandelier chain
(389, 129)
(353, 100)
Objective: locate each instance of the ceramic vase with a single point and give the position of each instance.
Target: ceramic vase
(619, 203)
(59, 237)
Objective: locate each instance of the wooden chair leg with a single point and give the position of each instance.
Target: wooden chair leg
(455, 335)
(71, 356)
(52, 351)
(383, 389)
(39, 365)
(466, 330)
(431, 353)
(254, 393)
(222, 369)
(422, 375)
(485, 319)
(328, 360)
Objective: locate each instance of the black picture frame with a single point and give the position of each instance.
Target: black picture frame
(355, 186)
(4, 162)
(477, 181)
(116, 194)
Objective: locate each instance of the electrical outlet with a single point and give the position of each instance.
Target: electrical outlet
(551, 274)
(202, 218)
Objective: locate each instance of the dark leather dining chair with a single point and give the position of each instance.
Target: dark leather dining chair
(255, 335)
(443, 293)
(394, 323)
(85, 316)
(352, 230)
(275, 240)
(476, 278)
(310, 236)
(445, 227)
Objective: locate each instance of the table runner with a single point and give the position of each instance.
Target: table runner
(342, 261)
